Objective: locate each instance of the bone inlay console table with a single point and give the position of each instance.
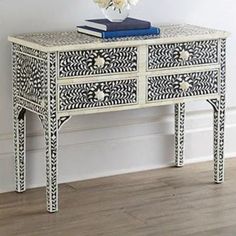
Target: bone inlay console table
(58, 75)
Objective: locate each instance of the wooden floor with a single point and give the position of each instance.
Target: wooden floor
(166, 202)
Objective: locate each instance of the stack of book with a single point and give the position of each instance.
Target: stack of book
(104, 28)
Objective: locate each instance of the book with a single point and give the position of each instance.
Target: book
(127, 24)
(117, 34)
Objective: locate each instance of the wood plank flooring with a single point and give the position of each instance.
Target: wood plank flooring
(166, 202)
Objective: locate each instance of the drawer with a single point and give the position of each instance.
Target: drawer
(97, 94)
(182, 54)
(99, 61)
(182, 85)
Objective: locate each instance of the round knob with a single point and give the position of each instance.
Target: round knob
(100, 95)
(184, 86)
(184, 55)
(99, 62)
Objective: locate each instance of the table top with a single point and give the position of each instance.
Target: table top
(72, 40)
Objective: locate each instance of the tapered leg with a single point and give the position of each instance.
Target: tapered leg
(179, 134)
(19, 147)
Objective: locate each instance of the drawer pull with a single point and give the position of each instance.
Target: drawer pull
(184, 55)
(100, 95)
(99, 62)
(184, 86)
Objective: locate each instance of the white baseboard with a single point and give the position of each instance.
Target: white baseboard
(144, 144)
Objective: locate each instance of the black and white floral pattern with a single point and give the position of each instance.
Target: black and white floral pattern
(41, 84)
(30, 77)
(17, 48)
(60, 39)
(169, 86)
(169, 55)
(79, 96)
(82, 63)
(51, 136)
(179, 134)
(219, 119)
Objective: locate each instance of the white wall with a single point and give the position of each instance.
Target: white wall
(104, 144)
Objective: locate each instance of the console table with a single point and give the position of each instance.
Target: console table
(58, 75)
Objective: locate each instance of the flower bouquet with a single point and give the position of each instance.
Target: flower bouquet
(116, 10)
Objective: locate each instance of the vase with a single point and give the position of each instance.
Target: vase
(116, 15)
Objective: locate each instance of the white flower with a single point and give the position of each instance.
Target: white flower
(133, 2)
(102, 3)
(119, 3)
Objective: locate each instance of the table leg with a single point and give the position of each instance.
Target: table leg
(179, 134)
(219, 119)
(19, 147)
(219, 127)
(219, 123)
(51, 138)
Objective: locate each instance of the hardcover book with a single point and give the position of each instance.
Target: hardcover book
(117, 34)
(127, 24)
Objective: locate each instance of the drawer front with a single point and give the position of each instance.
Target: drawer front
(97, 94)
(182, 54)
(95, 62)
(182, 85)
